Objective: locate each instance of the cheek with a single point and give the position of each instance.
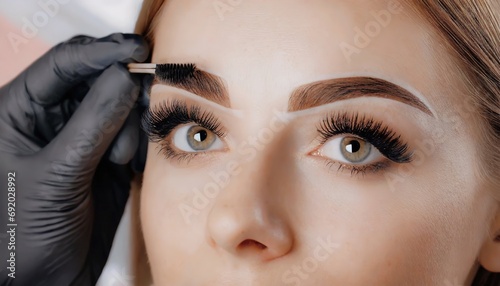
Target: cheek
(174, 204)
(161, 220)
(427, 229)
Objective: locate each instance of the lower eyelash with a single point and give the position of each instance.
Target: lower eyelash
(359, 170)
(381, 137)
(168, 152)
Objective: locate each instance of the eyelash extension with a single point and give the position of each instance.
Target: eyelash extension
(160, 120)
(381, 137)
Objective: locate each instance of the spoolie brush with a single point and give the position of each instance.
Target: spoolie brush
(174, 73)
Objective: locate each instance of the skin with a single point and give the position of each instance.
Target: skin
(286, 216)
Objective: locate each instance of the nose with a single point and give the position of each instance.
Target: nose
(249, 221)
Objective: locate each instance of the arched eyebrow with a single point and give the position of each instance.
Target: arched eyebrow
(202, 84)
(213, 88)
(331, 90)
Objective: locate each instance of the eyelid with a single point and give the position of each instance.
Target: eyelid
(352, 102)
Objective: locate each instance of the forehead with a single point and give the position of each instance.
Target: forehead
(271, 47)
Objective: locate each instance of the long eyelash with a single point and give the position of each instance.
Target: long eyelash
(384, 139)
(160, 120)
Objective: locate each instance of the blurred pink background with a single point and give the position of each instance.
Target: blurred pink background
(13, 63)
(41, 24)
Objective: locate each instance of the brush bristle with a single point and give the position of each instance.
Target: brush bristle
(175, 73)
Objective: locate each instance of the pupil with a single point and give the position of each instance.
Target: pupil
(353, 146)
(201, 135)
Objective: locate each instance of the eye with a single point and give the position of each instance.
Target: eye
(351, 150)
(195, 138)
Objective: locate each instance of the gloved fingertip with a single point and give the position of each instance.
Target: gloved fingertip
(141, 53)
(139, 47)
(125, 145)
(80, 39)
(120, 73)
(130, 47)
(117, 156)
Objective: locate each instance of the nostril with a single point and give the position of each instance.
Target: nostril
(250, 243)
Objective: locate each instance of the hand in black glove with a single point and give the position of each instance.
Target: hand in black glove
(67, 132)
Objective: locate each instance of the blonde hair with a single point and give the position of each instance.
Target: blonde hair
(471, 29)
(148, 20)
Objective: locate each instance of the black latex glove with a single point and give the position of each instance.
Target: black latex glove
(68, 133)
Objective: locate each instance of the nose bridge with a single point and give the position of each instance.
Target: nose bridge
(262, 155)
(248, 217)
(265, 160)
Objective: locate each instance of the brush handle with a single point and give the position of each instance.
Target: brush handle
(142, 68)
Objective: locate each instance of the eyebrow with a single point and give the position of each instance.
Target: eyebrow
(201, 83)
(332, 90)
(212, 87)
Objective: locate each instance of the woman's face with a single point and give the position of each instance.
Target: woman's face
(340, 149)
